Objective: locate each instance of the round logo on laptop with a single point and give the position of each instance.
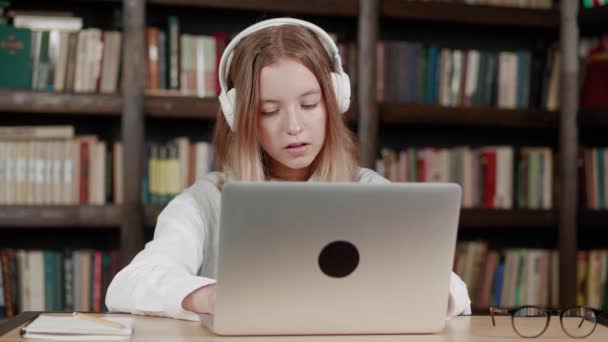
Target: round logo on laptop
(339, 259)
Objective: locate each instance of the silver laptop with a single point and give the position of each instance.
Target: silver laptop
(318, 258)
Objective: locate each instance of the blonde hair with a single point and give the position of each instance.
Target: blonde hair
(239, 152)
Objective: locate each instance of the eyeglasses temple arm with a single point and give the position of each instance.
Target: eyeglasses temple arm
(496, 310)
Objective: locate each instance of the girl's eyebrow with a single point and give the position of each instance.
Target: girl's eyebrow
(307, 93)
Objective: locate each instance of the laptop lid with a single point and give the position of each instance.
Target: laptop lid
(337, 258)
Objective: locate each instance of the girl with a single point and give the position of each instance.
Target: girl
(283, 124)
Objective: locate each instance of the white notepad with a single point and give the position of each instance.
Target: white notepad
(70, 328)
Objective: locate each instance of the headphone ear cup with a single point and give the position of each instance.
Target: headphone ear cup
(341, 84)
(227, 104)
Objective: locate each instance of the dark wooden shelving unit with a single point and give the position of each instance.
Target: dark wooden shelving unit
(468, 14)
(132, 105)
(317, 7)
(466, 116)
(30, 101)
(60, 216)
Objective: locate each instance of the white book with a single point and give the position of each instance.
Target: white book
(507, 80)
(548, 179)
(3, 171)
(445, 77)
(199, 43)
(36, 275)
(209, 67)
(202, 159)
(32, 164)
(61, 65)
(48, 23)
(57, 173)
(24, 280)
(81, 48)
(504, 178)
(472, 75)
(11, 172)
(68, 172)
(455, 89)
(101, 176)
(111, 62)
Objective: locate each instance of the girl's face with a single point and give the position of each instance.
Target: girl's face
(292, 116)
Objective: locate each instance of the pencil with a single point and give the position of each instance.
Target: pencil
(98, 320)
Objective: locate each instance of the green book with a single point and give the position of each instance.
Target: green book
(15, 51)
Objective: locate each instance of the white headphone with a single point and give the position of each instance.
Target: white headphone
(340, 80)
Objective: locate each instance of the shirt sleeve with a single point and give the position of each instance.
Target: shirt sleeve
(459, 302)
(165, 272)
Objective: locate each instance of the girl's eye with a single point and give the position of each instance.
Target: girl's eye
(311, 106)
(270, 112)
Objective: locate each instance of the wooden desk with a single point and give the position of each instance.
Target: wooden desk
(463, 328)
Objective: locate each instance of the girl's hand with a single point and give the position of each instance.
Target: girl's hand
(201, 300)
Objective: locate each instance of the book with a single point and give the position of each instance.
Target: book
(15, 51)
(64, 328)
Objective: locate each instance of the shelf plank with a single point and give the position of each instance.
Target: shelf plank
(323, 7)
(591, 17)
(467, 116)
(30, 101)
(60, 216)
(516, 218)
(591, 218)
(593, 117)
(471, 14)
(181, 107)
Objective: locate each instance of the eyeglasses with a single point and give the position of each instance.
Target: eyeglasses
(532, 321)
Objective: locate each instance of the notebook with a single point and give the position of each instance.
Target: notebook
(68, 328)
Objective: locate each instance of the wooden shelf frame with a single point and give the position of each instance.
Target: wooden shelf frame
(60, 216)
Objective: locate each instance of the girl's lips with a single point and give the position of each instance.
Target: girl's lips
(297, 149)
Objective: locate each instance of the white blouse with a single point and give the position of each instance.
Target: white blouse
(182, 257)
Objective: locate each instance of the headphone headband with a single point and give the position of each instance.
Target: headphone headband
(326, 41)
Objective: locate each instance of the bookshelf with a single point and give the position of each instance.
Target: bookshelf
(134, 105)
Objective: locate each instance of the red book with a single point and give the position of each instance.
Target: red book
(489, 178)
(84, 171)
(594, 92)
(97, 281)
(221, 41)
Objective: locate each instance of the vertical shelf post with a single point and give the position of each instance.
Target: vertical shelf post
(369, 17)
(568, 144)
(132, 125)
